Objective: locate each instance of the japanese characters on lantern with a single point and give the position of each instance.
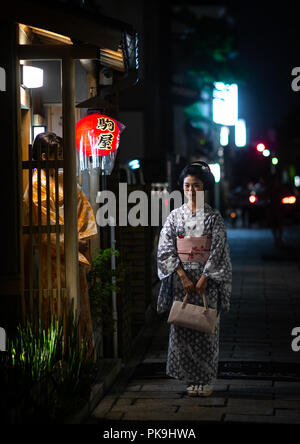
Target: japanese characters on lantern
(97, 141)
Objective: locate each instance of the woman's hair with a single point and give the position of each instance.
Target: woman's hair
(200, 170)
(46, 142)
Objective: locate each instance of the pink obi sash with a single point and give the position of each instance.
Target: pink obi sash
(193, 248)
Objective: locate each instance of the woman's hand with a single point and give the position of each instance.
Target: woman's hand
(201, 285)
(186, 282)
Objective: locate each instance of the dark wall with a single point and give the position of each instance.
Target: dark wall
(9, 221)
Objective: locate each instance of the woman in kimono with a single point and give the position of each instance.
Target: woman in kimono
(202, 266)
(51, 145)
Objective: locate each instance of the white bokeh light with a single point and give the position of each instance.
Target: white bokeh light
(225, 103)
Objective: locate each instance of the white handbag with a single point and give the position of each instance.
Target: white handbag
(193, 316)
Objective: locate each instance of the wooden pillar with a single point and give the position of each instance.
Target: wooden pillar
(70, 184)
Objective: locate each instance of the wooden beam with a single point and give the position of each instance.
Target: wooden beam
(71, 21)
(56, 52)
(70, 183)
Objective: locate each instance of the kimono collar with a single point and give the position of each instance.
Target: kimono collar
(207, 208)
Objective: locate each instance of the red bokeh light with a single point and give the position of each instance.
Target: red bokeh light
(260, 147)
(288, 200)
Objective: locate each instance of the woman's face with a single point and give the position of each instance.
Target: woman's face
(191, 184)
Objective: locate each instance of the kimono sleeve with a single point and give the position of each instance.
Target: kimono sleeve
(167, 262)
(167, 257)
(218, 266)
(87, 226)
(86, 221)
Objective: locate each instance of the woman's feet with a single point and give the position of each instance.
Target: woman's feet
(199, 390)
(205, 390)
(192, 390)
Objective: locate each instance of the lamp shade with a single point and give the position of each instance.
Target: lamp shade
(97, 135)
(33, 77)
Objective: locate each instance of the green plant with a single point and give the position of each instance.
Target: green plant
(34, 354)
(46, 373)
(102, 284)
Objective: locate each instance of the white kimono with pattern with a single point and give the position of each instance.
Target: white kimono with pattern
(193, 355)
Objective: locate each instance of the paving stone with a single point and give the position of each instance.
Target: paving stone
(143, 408)
(158, 381)
(250, 406)
(249, 383)
(283, 395)
(151, 394)
(154, 403)
(115, 416)
(290, 386)
(260, 419)
(134, 387)
(173, 388)
(218, 387)
(286, 404)
(194, 414)
(104, 406)
(288, 413)
(250, 392)
(189, 401)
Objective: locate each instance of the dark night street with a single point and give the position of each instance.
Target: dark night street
(151, 150)
(258, 371)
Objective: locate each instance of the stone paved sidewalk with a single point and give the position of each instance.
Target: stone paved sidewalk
(265, 306)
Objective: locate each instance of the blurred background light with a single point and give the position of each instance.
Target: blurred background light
(297, 181)
(38, 130)
(274, 160)
(266, 153)
(216, 171)
(224, 135)
(134, 164)
(260, 147)
(252, 198)
(225, 103)
(288, 200)
(240, 133)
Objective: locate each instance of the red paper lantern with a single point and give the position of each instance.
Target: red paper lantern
(97, 135)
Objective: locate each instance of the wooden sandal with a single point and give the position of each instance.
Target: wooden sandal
(192, 390)
(205, 390)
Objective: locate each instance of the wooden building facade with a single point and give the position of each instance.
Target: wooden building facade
(33, 33)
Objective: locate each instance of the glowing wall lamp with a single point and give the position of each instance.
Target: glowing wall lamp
(225, 103)
(240, 133)
(216, 171)
(31, 76)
